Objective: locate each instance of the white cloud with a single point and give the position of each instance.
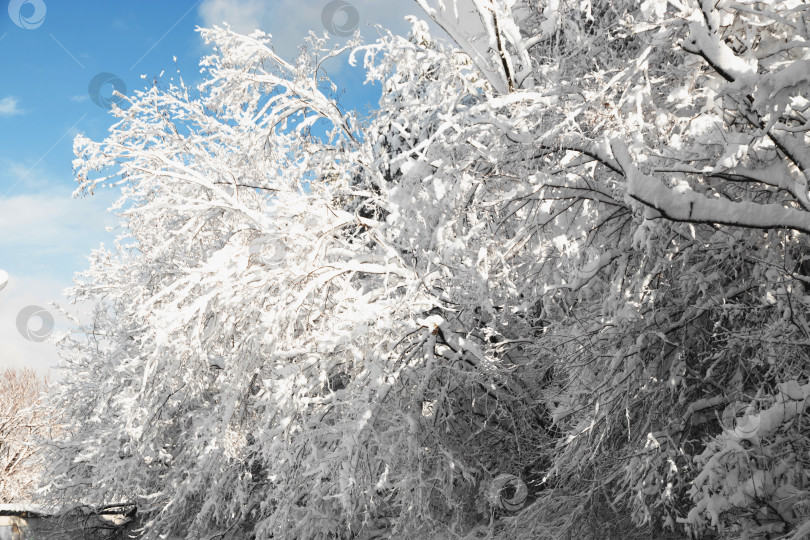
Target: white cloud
(81, 98)
(243, 15)
(51, 223)
(9, 106)
(44, 239)
(289, 21)
(15, 350)
(30, 340)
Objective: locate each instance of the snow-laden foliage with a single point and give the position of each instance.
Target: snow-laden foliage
(572, 251)
(22, 423)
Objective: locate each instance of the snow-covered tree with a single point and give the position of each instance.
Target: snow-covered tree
(250, 327)
(647, 164)
(569, 252)
(22, 423)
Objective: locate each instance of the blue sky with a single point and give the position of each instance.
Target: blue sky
(50, 51)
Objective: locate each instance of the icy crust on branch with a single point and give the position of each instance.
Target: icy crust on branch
(684, 204)
(490, 34)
